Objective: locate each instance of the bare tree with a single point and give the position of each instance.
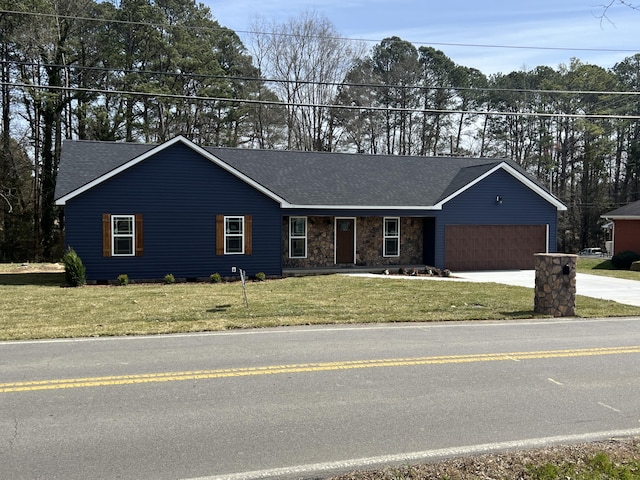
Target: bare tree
(606, 8)
(306, 59)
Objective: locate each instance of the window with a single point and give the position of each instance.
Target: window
(297, 237)
(391, 243)
(122, 235)
(233, 235)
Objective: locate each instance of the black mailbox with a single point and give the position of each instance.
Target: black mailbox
(566, 269)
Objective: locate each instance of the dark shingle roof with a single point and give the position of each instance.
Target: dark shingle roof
(321, 178)
(302, 178)
(630, 210)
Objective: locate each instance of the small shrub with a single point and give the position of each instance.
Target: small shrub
(623, 260)
(74, 271)
(169, 279)
(215, 278)
(122, 280)
(260, 276)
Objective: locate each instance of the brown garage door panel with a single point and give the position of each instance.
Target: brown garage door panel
(493, 247)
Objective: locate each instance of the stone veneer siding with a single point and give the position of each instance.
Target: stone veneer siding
(369, 239)
(555, 290)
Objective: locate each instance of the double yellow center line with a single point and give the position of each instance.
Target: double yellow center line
(57, 384)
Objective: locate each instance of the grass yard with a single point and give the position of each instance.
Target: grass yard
(34, 305)
(601, 266)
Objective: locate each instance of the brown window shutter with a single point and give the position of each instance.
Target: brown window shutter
(139, 236)
(106, 234)
(219, 234)
(248, 244)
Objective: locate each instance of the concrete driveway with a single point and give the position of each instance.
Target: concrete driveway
(596, 286)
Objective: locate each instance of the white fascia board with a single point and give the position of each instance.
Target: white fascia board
(620, 217)
(518, 176)
(154, 151)
(360, 207)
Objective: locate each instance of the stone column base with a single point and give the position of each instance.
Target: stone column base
(555, 291)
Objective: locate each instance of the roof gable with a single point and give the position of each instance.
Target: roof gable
(121, 156)
(303, 179)
(470, 176)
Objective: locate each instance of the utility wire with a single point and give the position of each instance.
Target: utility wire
(249, 32)
(327, 106)
(311, 82)
(322, 83)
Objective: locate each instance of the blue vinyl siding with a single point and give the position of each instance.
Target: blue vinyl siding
(477, 206)
(179, 193)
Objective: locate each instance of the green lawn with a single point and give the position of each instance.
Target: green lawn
(602, 266)
(35, 305)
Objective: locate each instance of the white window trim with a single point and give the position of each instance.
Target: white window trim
(298, 237)
(385, 236)
(131, 235)
(239, 235)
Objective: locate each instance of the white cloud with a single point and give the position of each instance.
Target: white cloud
(558, 26)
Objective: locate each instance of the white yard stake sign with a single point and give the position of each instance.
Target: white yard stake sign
(243, 279)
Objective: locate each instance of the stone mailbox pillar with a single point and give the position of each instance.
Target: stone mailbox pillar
(555, 292)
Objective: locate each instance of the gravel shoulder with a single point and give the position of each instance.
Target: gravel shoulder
(580, 461)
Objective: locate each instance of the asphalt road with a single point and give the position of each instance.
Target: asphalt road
(307, 402)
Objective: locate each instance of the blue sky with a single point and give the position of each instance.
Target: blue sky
(559, 29)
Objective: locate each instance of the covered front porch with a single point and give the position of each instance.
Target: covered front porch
(331, 244)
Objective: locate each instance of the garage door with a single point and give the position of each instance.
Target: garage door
(493, 247)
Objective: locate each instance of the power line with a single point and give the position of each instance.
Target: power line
(310, 82)
(323, 83)
(282, 34)
(471, 45)
(324, 106)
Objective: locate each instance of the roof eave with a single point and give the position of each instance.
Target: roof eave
(620, 217)
(292, 206)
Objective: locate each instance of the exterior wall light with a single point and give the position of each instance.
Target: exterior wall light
(499, 199)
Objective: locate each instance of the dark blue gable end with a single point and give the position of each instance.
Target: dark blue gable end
(478, 205)
(179, 193)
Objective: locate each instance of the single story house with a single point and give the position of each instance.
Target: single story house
(626, 227)
(150, 210)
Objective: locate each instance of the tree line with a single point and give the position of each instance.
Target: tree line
(146, 71)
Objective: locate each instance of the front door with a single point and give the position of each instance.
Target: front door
(345, 240)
